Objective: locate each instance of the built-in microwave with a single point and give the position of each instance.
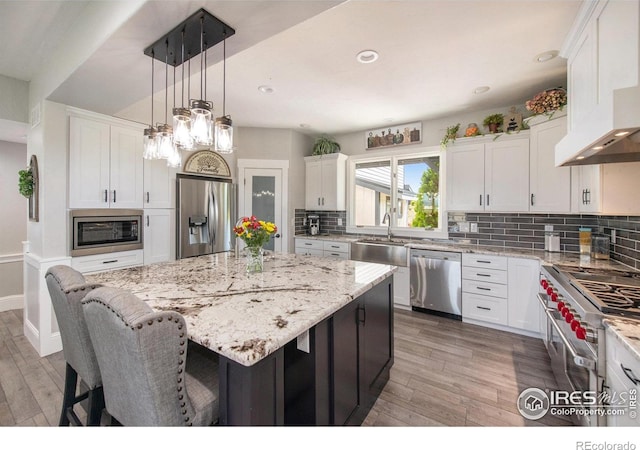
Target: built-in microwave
(95, 231)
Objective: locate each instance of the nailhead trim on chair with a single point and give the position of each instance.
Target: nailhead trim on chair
(181, 352)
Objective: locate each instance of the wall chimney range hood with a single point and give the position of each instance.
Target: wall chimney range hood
(610, 134)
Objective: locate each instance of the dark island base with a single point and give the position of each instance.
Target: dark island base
(336, 383)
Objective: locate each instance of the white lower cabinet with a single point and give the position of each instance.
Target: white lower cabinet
(321, 247)
(523, 286)
(484, 288)
(159, 235)
(500, 292)
(107, 261)
(621, 368)
(401, 288)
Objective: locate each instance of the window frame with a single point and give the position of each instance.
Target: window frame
(393, 156)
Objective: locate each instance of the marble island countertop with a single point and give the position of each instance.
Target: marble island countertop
(246, 317)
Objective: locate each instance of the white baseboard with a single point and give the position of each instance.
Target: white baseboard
(11, 302)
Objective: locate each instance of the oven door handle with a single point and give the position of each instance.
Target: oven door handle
(579, 360)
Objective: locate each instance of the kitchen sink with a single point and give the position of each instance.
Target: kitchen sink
(380, 251)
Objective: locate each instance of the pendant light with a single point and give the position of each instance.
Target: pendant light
(150, 142)
(182, 116)
(223, 127)
(175, 158)
(165, 131)
(201, 123)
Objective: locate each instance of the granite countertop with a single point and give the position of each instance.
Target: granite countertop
(627, 331)
(246, 317)
(560, 258)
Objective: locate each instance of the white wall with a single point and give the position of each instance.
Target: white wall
(13, 157)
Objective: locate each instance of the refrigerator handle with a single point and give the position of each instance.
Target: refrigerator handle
(213, 216)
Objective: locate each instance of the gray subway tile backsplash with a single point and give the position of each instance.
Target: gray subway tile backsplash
(526, 230)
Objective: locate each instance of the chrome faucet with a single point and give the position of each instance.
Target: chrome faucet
(387, 219)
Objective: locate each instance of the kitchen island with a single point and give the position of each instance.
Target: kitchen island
(307, 341)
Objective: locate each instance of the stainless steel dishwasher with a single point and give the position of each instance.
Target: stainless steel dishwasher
(436, 282)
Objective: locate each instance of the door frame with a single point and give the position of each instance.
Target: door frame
(257, 164)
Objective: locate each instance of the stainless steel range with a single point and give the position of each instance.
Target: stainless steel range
(575, 300)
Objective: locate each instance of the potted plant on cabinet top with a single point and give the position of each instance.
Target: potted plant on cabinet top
(325, 145)
(493, 122)
(450, 135)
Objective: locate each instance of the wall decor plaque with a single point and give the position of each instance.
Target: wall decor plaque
(393, 136)
(206, 162)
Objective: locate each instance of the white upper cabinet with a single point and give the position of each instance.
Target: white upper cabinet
(159, 235)
(550, 186)
(159, 184)
(325, 182)
(493, 176)
(105, 164)
(465, 177)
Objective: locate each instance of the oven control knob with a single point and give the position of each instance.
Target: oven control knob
(581, 333)
(575, 323)
(544, 283)
(569, 315)
(564, 311)
(550, 290)
(560, 306)
(554, 297)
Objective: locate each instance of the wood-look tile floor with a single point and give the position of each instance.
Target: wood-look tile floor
(445, 373)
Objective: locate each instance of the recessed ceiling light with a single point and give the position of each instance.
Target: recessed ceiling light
(367, 56)
(481, 89)
(621, 133)
(546, 56)
(599, 147)
(265, 89)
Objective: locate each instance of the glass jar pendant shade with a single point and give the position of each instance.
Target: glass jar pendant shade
(164, 140)
(182, 128)
(201, 122)
(224, 135)
(175, 159)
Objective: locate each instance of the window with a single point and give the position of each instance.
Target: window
(415, 195)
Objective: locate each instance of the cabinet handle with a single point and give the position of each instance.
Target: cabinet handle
(483, 261)
(532, 197)
(114, 196)
(308, 243)
(584, 196)
(588, 191)
(318, 201)
(364, 315)
(483, 288)
(335, 246)
(147, 196)
(480, 199)
(483, 275)
(487, 199)
(106, 198)
(110, 261)
(322, 201)
(628, 371)
(483, 307)
(147, 220)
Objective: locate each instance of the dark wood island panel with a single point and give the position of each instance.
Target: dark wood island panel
(336, 383)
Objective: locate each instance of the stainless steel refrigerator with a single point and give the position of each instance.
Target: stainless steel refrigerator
(205, 214)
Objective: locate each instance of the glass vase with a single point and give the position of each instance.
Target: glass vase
(255, 259)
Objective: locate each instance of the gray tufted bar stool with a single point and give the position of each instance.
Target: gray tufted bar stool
(67, 287)
(148, 376)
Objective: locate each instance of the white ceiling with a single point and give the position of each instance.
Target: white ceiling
(432, 55)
